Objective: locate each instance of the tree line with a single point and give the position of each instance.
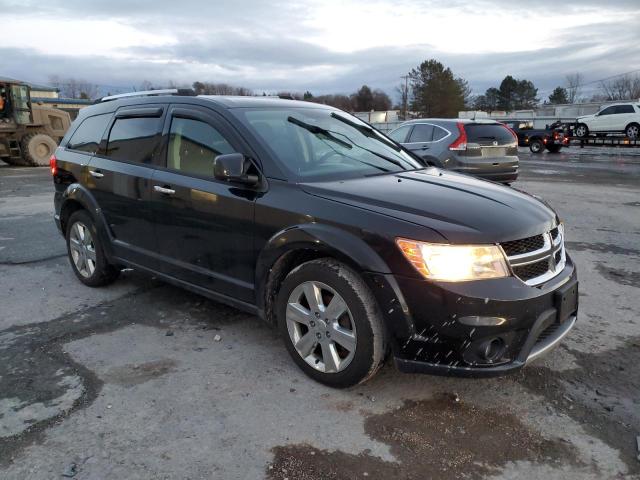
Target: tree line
(430, 89)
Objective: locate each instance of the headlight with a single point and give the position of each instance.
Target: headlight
(454, 263)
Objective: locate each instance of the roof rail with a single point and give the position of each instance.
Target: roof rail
(187, 92)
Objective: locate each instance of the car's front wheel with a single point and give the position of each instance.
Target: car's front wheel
(85, 251)
(582, 130)
(331, 323)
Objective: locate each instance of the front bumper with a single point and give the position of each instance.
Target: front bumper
(435, 334)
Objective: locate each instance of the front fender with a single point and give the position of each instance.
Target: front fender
(343, 246)
(324, 238)
(314, 237)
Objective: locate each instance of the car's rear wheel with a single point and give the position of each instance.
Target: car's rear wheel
(331, 323)
(85, 252)
(536, 146)
(632, 131)
(582, 130)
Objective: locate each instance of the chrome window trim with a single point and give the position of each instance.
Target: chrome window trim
(432, 141)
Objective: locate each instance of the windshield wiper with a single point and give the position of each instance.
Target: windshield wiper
(377, 154)
(365, 130)
(316, 130)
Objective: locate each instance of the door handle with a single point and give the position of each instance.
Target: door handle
(164, 190)
(96, 173)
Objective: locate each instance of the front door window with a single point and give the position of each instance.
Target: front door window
(21, 104)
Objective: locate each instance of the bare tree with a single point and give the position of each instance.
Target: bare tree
(146, 85)
(207, 88)
(403, 91)
(74, 88)
(625, 87)
(574, 87)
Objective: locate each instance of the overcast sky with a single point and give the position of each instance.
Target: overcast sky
(324, 46)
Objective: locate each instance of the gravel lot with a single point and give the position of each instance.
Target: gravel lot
(143, 380)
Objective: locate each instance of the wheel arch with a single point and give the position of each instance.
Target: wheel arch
(294, 246)
(77, 197)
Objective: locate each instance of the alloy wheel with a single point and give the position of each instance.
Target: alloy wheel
(83, 250)
(633, 131)
(321, 327)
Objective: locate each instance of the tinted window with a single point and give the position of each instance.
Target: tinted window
(193, 145)
(421, 133)
(439, 133)
(608, 111)
(89, 134)
(133, 139)
(624, 109)
(400, 134)
(486, 134)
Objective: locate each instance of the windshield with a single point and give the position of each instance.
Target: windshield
(316, 144)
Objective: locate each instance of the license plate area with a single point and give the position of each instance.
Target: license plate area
(566, 300)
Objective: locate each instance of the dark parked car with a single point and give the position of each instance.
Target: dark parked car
(537, 139)
(306, 216)
(484, 148)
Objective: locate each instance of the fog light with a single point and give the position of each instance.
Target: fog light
(492, 350)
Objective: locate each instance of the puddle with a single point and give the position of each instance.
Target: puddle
(602, 395)
(602, 248)
(621, 277)
(438, 438)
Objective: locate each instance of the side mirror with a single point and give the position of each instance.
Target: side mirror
(231, 168)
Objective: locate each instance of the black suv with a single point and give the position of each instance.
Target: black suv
(306, 216)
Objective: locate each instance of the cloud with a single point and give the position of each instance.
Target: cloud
(320, 46)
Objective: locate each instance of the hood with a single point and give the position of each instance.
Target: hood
(461, 208)
(585, 117)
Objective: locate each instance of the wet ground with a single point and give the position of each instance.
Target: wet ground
(143, 380)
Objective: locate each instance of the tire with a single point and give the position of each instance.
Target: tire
(632, 131)
(554, 148)
(37, 148)
(336, 363)
(581, 130)
(85, 252)
(536, 146)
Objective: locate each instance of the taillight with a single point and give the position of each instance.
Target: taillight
(461, 142)
(53, 164)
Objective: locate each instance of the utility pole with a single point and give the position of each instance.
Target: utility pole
(405, 96)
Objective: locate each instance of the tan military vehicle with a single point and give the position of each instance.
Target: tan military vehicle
(29, 134)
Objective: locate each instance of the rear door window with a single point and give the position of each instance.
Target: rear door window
(88, 135)
(134, 139)
(439, 133)
(488, 134)
(400, 134)
(624, 109)
(422, 132)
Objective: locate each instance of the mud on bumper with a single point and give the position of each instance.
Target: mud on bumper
(478, 329)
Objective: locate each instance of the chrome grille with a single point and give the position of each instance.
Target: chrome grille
(534, 260)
